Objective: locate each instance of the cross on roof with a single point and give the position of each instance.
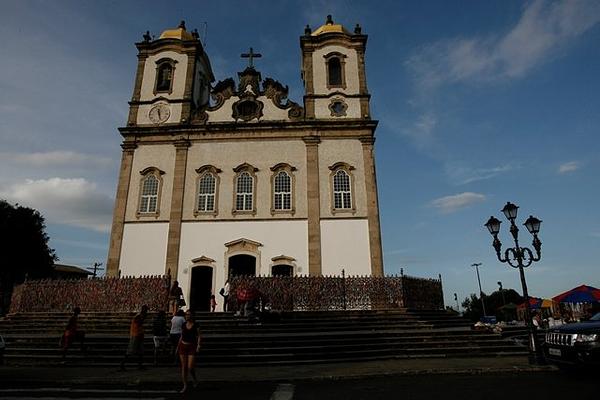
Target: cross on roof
(251, 55)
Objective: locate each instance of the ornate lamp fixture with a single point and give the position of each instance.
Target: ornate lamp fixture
(520, 257)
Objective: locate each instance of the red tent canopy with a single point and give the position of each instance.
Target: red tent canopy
(534, 303)
(580, 294)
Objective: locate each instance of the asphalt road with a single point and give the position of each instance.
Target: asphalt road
(489, 386)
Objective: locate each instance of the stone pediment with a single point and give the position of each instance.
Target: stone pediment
(203, 260)
(283, 259)
(243, 244)
(254, 100)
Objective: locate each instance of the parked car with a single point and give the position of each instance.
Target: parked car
(574, 344)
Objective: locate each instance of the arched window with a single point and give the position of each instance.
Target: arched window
(244, 192)
(165, 71)
(282, 192)
(342, 190)
(282, 189)
(244, 189)
(335, 71)
(150, 185)
(165, 78)
(206, 193)
(334, 65)
(149, 199)
(207, 190)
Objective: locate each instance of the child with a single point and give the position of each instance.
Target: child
(213, 303)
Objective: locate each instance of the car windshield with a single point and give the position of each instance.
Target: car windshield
(595, 317)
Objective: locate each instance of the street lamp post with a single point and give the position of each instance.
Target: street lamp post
(477, 265)
(521, 258)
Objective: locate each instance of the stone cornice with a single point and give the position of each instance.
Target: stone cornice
(367, 140)
(274, 128)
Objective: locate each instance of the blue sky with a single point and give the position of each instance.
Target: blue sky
(478, 103)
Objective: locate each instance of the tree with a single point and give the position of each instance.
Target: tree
(493, 304)
(24, 249)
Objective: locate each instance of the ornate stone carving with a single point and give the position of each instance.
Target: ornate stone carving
(278, 93)
(249, 81)
(222, 91)
(248, 107)
(338, 107)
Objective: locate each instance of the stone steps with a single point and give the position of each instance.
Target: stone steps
(300, 337)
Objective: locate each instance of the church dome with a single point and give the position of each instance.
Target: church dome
(330, 27)
(177, 33)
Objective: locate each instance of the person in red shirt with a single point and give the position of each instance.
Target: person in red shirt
(73, 333)
(136, 338)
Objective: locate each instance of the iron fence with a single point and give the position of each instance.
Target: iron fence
(301, 293)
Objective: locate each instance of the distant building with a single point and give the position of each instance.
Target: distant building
(63, 271)
(235, 178)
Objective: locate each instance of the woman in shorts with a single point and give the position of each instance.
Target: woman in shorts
(189, 344)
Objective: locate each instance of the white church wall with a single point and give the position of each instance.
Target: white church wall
(271, 112)
(144, 249)
(163, 158)
(223, 113)
(149, 78)
(350, 152)
(208, 239)
(345, 245)
(350, 72)
(262, 154)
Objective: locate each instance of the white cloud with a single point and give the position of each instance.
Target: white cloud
(55, 158)
(462, 175)
(74, 202)
(542, 30)
(568, 167)
(450, 204)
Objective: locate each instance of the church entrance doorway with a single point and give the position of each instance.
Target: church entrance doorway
(282, 270)
(201, 288)
(242, 264)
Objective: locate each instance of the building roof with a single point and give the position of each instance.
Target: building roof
(330, 27)
(177, 33)
(71, 269)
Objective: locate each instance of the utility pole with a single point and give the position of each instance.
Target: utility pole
(477, 265)
(456, 300)
(95, 268)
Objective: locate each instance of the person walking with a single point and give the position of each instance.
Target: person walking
(159, 333)
(175, 332)
(72, 333)
(175, 298)
(136, 338)
(225, 293)
(189, 344)
(213, 303)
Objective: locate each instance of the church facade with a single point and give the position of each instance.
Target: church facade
(227, 178)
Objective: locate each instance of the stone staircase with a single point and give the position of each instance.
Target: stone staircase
(298, 337)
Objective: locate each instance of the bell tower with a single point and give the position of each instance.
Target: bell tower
(172, 80)
(333, 71)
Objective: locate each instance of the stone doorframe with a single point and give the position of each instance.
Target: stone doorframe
(242, 246)
(201, 261)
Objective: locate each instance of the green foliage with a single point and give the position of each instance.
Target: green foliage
(493, 305)
(24, 248)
